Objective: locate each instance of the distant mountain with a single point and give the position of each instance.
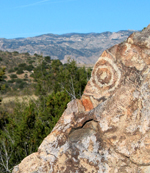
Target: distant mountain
(84, 48)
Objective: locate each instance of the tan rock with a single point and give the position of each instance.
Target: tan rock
(108, 130)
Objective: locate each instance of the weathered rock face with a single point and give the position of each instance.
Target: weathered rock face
(108, 130)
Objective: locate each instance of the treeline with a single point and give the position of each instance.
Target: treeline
(52, 75)
(23, 130)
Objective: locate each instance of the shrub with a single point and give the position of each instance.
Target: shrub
(19, 80)
(48, 59)
(11, 71)
(29, 67)
(4, 77)
(13, 76)
(15, 53)
(36, 55)
(144, 28)
(25, 79)
(31, 61)
(32, 75)
(22, 65)
(11, 81)
(20, 71)
(21, 85)
(25, 76)
(15, 68)
(27, 54)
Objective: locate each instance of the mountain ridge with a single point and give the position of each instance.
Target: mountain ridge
(82, 47)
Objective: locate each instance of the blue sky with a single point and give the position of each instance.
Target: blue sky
(30, 18)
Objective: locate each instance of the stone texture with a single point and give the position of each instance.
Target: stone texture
(108, 129)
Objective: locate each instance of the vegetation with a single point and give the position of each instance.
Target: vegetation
(58, 77)
(19, 66)
(143, 28)
(22, 132)
(13, 76)
(2, 85)
(23, 125)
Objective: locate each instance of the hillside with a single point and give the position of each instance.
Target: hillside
(84, 48)
(27, 74)
(18, 70)
(13, 59)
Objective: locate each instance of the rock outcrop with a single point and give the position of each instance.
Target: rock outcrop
(108, 129)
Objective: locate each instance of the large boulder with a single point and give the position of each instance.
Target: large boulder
(108, 129)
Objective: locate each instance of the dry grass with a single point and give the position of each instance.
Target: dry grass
(85, 65)
(26, 98)
(9, 103)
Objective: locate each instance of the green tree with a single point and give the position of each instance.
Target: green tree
(58, 77)
(22, 132)
(11, 71)
(13, 76)
(20, 71)
(29, 67)
(74, 79)
(15, 53)
(23, 65)
(2, 85)
(48, 59)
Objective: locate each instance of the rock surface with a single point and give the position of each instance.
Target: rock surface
(108, 129)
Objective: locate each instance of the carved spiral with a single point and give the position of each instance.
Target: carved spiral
(105, 76)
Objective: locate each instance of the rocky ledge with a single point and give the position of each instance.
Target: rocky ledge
(108, 129)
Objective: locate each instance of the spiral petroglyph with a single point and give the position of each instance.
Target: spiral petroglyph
(105, 77)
